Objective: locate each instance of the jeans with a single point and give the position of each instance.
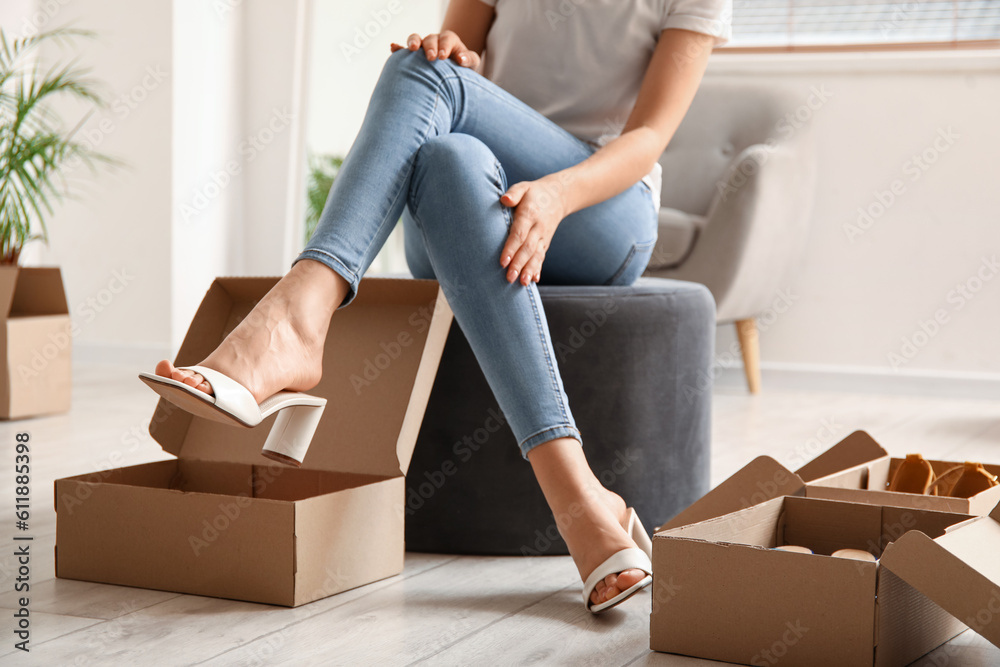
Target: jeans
(439, 145)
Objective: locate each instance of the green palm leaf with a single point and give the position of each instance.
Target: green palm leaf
(34, 149)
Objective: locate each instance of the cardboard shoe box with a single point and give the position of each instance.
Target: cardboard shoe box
(35, 343)
(856, 469)
(223, 521)
(721, 592)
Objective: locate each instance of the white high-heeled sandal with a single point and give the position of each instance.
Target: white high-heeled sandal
(633, 558)
(232, 403)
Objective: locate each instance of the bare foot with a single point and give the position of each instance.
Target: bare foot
(279, 345)
(589, 517)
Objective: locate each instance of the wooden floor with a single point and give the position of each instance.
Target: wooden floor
(442, 609)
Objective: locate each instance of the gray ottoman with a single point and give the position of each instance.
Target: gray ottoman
(636, 364)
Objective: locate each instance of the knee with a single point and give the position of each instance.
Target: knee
(456, 157)
(412, 65)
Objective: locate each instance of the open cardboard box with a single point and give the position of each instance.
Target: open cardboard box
(856, 469)
(721, 592)
(223, 521)
(35, 343)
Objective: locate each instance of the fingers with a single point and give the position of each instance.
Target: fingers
(450, 46)
(515, 239)
(518, 267)
(448, 43)
(430, 45)
(533, 268)
(441, 47)
(465, 57)
(514, 194)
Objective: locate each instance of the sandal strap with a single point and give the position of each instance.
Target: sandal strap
(230, 395)
(627, 559)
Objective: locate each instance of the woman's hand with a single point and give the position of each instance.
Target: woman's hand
(441, 47)
(539, 207)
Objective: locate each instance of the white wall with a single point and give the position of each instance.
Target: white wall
(208, 183)
(868, 283)
(200, 91)
(113, 241)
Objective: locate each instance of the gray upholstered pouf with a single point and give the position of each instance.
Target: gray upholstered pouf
(636, 364)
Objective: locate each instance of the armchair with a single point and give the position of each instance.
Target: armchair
(738, 181)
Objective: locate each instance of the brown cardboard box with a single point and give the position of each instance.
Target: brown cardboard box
(35, 341)
(856, 469)
(721, 592)
(223, 521)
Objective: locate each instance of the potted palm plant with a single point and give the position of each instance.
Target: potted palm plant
(37, 152)
(35, 149)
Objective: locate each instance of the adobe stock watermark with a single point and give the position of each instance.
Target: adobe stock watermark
(562, 13)
(785, 128)
(624, 460)
(829, 430)
(120, 108)
(958, 297)
(463, 450)
(792, 634)
(374, 366)
(131, 439)
(579, 334)
(899, 12)
(229, 511)
(988, 614)
(110, 633)
(225, 7)
(58, 341)
(42, 15)
(247, 151)
(364, 34)
(912, 170)
(665, 590)
(782, 302)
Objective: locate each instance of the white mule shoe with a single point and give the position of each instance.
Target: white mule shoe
(298, 413)
(633, 558)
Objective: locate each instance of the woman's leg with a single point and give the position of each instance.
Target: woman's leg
(414, 102)
(454, 230)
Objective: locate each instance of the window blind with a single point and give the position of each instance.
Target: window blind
(789, 23)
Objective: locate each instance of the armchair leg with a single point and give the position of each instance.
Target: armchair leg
(749, 345)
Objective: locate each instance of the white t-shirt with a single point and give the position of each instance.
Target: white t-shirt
(580, 63)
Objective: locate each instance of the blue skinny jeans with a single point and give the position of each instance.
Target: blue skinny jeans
(439, 145)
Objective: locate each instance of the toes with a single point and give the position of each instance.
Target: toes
(190, 378)
(611, 587)
(597, 595)
(615, 584)
(629, 578)
(165, 369)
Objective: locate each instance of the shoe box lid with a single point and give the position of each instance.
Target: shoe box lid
(960, 570)
(849, 463)
(380, 361)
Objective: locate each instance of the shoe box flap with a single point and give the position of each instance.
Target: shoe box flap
(27, 291)
(760, 480)
(959, 571)
(381, 357)
(858, 451)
